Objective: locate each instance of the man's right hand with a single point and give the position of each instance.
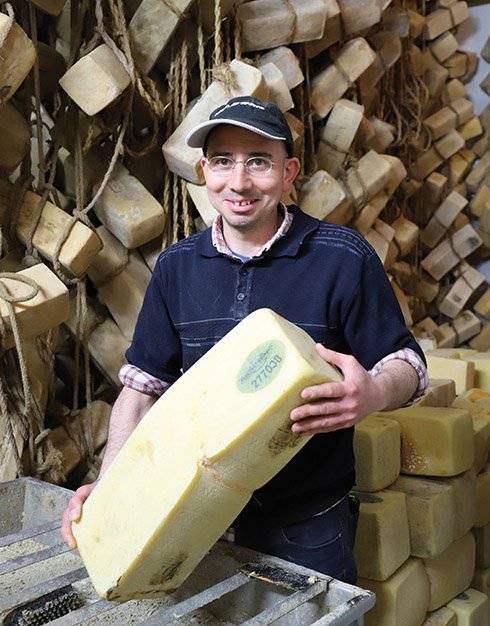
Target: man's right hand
(73, 512)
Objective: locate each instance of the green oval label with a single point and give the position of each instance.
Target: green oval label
(261, 366)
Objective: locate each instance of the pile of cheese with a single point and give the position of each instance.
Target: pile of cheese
(219, 433)
(423, 481)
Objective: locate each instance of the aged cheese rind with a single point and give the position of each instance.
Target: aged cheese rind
(219, 433)
(434, 441)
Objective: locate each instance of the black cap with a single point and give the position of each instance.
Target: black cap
(264, 118)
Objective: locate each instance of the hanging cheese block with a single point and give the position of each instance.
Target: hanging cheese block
(16, 136)
(128, 209)
(96, 80)
(403, 599)
(17, 57)
(47, 309)
(150, 546)
(382, 541)
(120, 286)
(271, 23)
(377, 453)
(331, 84)
(286, 61)
(151, 28)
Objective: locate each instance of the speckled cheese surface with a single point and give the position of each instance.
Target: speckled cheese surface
(219, 433)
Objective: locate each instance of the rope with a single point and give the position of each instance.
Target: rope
(218, 41)
(200, 50)
(7, 418)
(169, 4)
(290, 7)
(237, 31)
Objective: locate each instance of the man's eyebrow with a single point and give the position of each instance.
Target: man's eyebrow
(249, 155)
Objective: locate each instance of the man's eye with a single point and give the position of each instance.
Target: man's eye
(257, 162)
(223, 162)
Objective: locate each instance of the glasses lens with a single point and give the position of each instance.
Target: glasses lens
(258, 165)
(221, 164)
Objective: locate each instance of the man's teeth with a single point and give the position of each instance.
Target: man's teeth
(243, 203)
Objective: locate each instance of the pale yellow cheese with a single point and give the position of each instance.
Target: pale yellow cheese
(441, 393)
(461, 371)
(377, 453)
(128, 209)
(47, 309)
(382, 542)
(472, 608)
(483, 497)
(442, 617)
(431, 508)
(464, 486)
(451, 572)
(482, 542)
(96, 80)
(434, 441)
(481, 430)
(402, 600)
(481, 361)
(219, 433)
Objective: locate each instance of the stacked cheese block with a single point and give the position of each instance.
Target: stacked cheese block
(423, 481)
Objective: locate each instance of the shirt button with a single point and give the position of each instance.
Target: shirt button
(241, 296)
(243, 272)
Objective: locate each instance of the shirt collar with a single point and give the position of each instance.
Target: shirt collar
(220, 244)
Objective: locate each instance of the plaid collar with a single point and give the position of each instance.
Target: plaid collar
(220, 244)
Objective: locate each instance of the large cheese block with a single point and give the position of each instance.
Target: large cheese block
(402, 600)
(462, 372)
(431, 507)
(382, 541)
(481, 361)
(377, 453)
(471, 607)
(219, 433)
(464, 486)
(451, 572)
(483, 497)
(435, 441)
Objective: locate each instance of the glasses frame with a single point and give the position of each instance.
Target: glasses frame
(235, 163)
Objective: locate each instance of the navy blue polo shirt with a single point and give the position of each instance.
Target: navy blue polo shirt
(325, 278)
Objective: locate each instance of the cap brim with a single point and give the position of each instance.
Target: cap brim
(197, 137)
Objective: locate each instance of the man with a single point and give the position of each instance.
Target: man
(323, 277)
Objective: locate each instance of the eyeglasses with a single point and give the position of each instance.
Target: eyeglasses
(257, 166)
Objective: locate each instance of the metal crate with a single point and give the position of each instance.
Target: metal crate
(42, 581)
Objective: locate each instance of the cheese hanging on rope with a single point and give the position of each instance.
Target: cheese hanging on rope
(219, 433)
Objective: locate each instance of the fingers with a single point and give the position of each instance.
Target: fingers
(73, 513)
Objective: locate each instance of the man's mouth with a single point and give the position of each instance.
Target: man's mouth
(242, 202)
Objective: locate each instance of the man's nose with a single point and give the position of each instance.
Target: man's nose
(240, 176)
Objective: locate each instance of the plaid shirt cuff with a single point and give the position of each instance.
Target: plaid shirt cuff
(135, 378)
(410, 356)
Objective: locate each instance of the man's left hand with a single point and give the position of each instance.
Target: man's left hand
(334, 405)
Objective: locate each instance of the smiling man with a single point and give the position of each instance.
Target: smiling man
(325, 278)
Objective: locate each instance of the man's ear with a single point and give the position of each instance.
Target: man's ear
(291, 170)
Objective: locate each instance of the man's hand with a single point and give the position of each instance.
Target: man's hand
(73, 512)
(334, 405)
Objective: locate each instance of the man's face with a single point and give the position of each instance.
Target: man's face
(247, 202)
